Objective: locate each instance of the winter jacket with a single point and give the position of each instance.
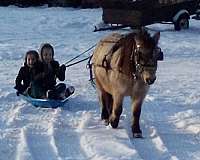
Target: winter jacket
(27, 75)
(51, 73)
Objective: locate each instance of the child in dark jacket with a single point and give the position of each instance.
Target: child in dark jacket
(52, 72)
(28, 80)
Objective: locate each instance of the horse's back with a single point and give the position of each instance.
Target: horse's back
(105, 47)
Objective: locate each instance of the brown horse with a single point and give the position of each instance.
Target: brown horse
(125, 65)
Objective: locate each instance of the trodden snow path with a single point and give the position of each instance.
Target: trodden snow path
(170, 118)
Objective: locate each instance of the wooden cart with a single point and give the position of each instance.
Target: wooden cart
(145, 12)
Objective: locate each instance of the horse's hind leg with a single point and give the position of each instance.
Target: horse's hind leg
(116, 111)
(106, 103)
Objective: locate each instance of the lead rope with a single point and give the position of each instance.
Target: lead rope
(88, 66)
(69, 65)
(79, 56)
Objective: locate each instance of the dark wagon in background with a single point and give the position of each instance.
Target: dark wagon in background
(137, 13)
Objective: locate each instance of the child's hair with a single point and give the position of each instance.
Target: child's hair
(43, 46)
(32, 52)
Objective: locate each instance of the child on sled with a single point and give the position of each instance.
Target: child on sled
(51, 72)
(28, 80)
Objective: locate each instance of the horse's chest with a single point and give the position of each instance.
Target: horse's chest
(121, 82)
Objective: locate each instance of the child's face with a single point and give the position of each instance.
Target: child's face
(31, 60)
(47, 55)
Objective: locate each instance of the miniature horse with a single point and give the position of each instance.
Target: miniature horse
(125, 65)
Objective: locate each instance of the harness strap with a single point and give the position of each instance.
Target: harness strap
(107, 58)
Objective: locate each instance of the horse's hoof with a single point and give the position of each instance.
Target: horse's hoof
(137, 135)
(114, 123)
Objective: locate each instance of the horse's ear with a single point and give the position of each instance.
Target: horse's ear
(156, 37)
(143, 31)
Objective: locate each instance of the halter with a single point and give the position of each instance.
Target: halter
(135, 58)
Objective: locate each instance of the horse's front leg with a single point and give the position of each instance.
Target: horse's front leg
(116, 111)
(136, 107)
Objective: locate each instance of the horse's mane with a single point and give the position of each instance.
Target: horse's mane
(145, 37)
(128, 44)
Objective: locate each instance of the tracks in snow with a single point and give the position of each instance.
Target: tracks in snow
(49, 138)
(31, 133)
(162, 139)
(35, 133)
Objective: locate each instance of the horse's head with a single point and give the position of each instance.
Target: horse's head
(146, 55)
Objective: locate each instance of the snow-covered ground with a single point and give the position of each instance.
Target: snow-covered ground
(170, 117)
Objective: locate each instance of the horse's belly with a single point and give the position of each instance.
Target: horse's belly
(113, 81)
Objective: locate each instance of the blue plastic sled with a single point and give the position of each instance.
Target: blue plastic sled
(44, 103)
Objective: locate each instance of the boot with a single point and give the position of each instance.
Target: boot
(69, 91)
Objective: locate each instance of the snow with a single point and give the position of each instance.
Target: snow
(170, 117)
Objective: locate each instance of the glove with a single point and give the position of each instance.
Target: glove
(63, 68)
